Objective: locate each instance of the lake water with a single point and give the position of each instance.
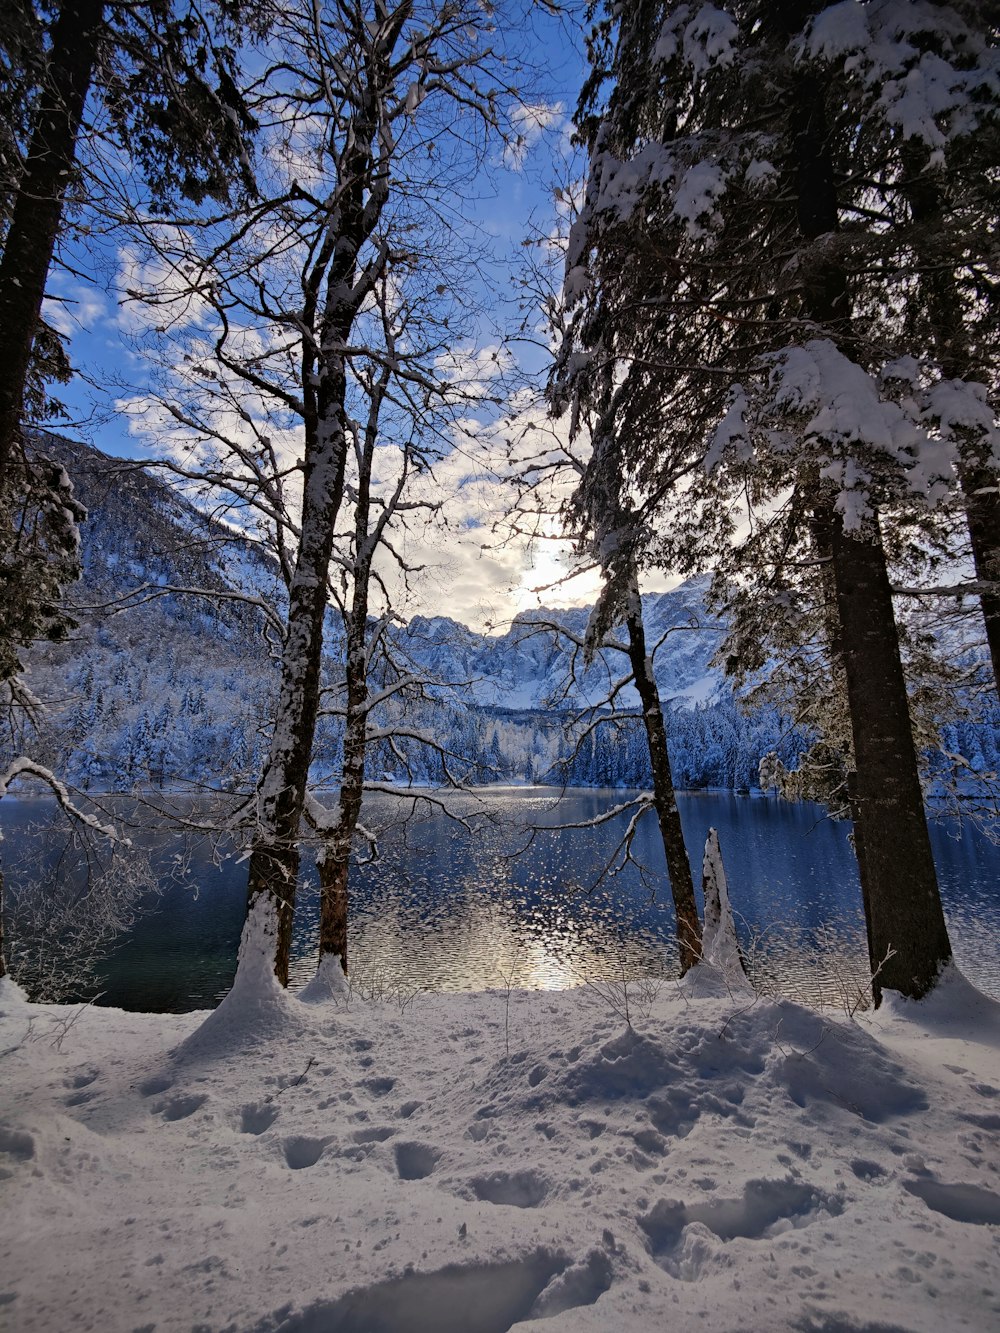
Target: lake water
(443, 909)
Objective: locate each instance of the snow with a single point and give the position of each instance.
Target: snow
(460, 1163)
(710, 39)
(700, 188)
(848, 409)
(707, 39)
(719, 946)
(929, 73)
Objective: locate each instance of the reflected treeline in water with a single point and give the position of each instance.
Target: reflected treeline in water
(513, 899)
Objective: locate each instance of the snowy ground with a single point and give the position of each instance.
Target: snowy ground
(458, 1165)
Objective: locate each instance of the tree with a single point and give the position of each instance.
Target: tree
(539, 481)
(185, 131)
(187, 134)
(936, 199)
(726, 370)
(372, 674)
(376, 109)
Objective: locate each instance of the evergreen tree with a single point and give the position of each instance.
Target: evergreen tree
(734, 375)
(171, 103)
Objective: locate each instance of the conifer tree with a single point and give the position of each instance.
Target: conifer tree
(724, 342)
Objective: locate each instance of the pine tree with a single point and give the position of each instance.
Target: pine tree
(734, 376)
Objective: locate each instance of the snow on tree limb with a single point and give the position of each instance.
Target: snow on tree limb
(25, 767)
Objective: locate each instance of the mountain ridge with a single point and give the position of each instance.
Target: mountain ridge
(178, 688)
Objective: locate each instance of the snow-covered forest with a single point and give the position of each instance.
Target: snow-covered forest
(414, 396)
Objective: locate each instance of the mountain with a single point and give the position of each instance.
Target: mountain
(527, 667)
(159, 685)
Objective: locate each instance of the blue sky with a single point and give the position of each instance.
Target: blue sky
(87, 304)
(506, 204)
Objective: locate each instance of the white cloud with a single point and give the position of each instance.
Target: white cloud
(74, 306)
(530, 121)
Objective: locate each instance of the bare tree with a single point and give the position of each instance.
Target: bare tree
(374, 114)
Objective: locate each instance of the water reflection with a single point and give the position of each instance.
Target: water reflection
(445, 909)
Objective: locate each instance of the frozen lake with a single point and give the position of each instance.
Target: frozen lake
(443, 909)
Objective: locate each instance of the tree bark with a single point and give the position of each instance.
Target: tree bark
(902, 902)
(664, 796)
(336, 860)
(978, 478)
(274, 861)
(37, 216)
(3, 942)
(907, 935)
(334, 292)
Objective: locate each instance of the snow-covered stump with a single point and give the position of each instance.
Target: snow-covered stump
(719, 946)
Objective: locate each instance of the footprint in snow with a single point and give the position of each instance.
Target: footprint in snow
(475, 1298)
(17, 1143)
(256, 1117)
(150, 1087)
(374, 1134)
(869, 1171)
(415, 1161)
(378, 1087)
(179, 1108)
(78, 1098)
(302, 1152)
(764, 1203)
(83, 1079)
(962, 1203)
(520, 1189)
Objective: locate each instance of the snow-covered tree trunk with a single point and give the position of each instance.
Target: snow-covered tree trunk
(3, 948)
(334, 867)
(274, 861)
(335, 863)
(719, 945)
(664, 796)
(907, 934)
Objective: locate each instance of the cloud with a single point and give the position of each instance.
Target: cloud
(530, 121)
(74, 306)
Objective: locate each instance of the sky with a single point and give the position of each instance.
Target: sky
(475, 569)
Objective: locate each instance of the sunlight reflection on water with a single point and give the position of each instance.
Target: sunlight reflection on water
(445, 910)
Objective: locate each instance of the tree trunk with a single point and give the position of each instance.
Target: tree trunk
(274, 861)
(336, 861)
(664, 797)
(978, 478)
(905, 918)
(3, 942)
(899, 882)
(820, 526)
(37, 215)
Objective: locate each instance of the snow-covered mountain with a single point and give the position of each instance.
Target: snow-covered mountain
(529, 666)
(159, 685)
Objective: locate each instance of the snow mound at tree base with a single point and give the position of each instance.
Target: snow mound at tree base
(952, 1009)
(257, 1009)
(481, 1163)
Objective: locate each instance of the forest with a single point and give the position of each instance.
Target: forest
(799, 406)
(660, 343)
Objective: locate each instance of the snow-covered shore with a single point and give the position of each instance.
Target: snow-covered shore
(465, 1162)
